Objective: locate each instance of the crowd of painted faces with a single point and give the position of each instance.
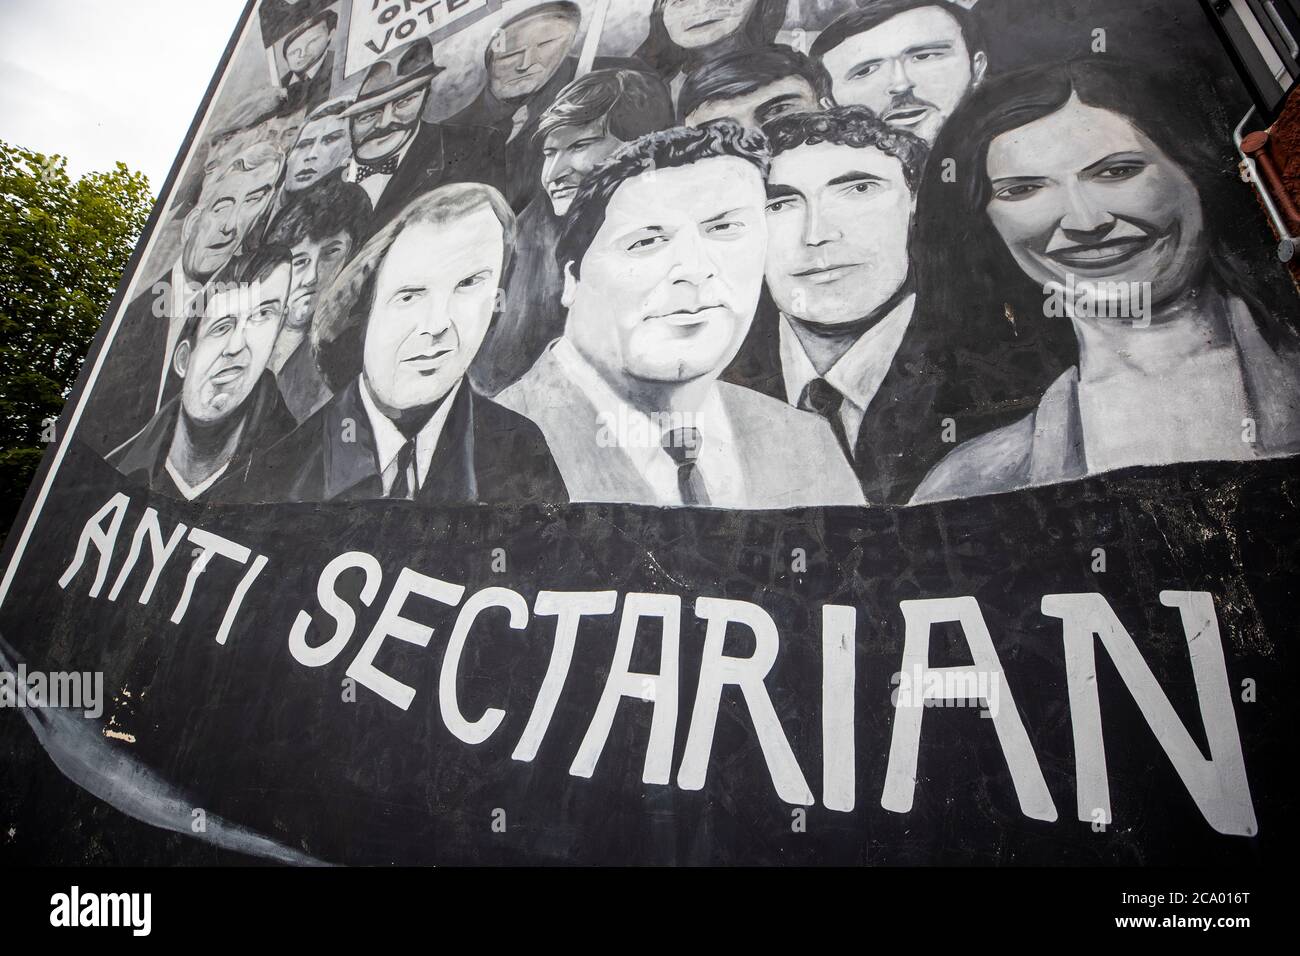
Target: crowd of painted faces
(720, 273)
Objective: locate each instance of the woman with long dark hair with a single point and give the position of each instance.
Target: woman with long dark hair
(1096, 198)
(686, 33)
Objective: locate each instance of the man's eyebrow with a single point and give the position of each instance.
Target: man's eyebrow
(932, 45)
(855, 176)
(873, 61)
(722, 215)
(1017, 179)
(779, 191)
(777, 101)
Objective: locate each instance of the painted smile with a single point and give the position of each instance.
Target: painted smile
(306, 175)
(1102, 255)
(703, 23)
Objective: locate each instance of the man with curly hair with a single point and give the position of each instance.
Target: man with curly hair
(662, 256)
(840, 202)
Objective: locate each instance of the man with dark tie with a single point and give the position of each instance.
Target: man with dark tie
(662, 256)
(395, 155)
(843, 340)
(308, 55)
(394, 335)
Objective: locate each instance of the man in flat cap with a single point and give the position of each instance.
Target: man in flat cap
(395, 155)
(394, 336)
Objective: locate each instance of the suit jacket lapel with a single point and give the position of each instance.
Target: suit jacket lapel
(451, 478)
(350, 467)
(420, 167)
(592, 471)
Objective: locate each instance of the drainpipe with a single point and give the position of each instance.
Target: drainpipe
(1250, 148)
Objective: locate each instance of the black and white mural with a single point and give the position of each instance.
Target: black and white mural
(652, 379)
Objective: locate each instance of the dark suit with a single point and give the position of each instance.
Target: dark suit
(440, 153)
(485, 454)
(531, 313)
(126, 394)
(522, 153)
(142, 459)
(901, 436)
(309, 92)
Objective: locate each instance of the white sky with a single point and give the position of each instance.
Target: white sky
(99, 81)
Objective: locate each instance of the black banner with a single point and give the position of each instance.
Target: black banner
(260, 750)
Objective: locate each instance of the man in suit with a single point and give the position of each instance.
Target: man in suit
(844, 342)
(395, 334)
(662, 254)
(308, 55)
(528, 63)
(199, 442)
(137, 374)
(395, 155)
(320, 230)
(590, 119)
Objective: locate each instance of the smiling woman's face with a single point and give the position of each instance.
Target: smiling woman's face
(1085, 192)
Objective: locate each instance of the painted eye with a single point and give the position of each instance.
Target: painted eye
(648, 242)
(1019, 191)
(221, 329)
(474, 281)
(725, 229)
(865, 71)
(780, 205)
(1121, 171)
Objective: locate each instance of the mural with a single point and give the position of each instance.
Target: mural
(754, 277)
(614, 318)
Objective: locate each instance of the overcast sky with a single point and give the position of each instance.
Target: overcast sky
(105, 80)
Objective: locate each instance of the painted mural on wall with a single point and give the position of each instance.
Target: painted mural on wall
(735, 262)
(724, 270)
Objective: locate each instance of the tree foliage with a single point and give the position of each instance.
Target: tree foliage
(64, 245)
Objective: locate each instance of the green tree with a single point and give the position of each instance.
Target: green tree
(64, 245)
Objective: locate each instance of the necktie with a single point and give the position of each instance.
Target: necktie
(822, 398)
(683, 446)
(385, 167)
(407, 482)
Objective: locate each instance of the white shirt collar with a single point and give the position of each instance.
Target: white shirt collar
(640, 436)
(389, 439)
(859, 371)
